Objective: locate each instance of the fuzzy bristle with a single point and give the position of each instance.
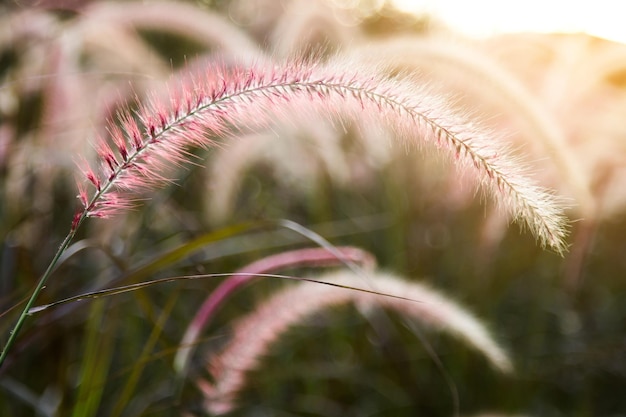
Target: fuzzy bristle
(258, 96)
(254, 335)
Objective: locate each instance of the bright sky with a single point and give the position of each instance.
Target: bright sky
(603, 18)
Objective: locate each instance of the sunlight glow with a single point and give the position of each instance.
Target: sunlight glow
(479, 18)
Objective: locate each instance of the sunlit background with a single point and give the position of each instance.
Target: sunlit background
(602, 18)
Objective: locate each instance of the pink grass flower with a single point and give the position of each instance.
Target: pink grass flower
(205, 108)
(254, 334)
(316, 257)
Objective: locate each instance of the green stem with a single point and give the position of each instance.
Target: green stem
(40, 286)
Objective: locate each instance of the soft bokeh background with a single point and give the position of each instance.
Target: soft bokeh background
(488, 17)
(559, 99)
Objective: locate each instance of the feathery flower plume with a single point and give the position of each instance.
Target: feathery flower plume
(316, 257)
(255, 97)
(493, 83)
(178, 18)
(254, 334)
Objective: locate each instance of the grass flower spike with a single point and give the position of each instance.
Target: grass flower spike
(209, 106)
(254, 334)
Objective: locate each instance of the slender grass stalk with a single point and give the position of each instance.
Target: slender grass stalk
(133, 379)
(140, 149)
(36, 291)
(98, 353)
